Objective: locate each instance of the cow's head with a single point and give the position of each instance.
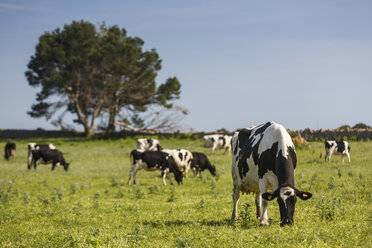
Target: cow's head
(213, 170)
(65, 166)
(178, 175)
(287, 197)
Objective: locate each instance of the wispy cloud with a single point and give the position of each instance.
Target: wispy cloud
(5, 6)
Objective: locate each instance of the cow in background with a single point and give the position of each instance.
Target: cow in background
(10, 150)
(154, 160)
(34, 146)
(46, 156)
(217, 141)
(200, 162)
(264, 158)
(148, 145)
(338, 148)
(182, 158)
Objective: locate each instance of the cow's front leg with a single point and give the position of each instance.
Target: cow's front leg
(35, 164)
(166, 173)
(264, 221)
(235, 196)
(342, 157)
(348, 156)
(214, 148)
(258, 205)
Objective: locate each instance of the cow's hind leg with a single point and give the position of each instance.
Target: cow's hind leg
(132, 173)
(235, 196)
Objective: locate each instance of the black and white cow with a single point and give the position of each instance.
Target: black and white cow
(10, 150)
(182, 158)
(338, 148)
(264, 158)
(148, 145)
(200, 162)
(34, 146)
(49, 156)
(154, 160)
(217, 141)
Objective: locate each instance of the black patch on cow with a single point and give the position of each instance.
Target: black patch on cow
(292, 155)
(150, 142)
(281, 166)
(267, 160)
(285, 169)
(180, 155)
(340, 146)
(223, 140)
(327, 145)
(245, 143)
(186, 153)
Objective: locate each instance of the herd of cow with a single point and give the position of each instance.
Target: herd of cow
(263, 159)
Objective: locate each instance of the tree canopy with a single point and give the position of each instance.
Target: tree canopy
(91, 72)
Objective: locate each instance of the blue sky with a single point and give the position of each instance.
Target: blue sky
(298, 63)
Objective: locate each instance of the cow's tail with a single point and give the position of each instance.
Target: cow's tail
(348, 148)
(131, 157)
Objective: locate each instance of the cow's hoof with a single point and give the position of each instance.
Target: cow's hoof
(264, 223)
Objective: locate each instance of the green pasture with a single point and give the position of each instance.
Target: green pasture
(92, 205)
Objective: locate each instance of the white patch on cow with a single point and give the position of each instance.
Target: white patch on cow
(144, 145)
(272, 134)
(185, 164)
(285, 193)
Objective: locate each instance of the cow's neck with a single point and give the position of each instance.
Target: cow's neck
(285, 171)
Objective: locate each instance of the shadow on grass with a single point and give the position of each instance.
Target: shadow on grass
(168, 223)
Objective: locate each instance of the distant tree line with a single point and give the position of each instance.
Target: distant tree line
(99, 72)
(358, 125)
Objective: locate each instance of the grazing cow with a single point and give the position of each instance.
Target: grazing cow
(154, 160)
(217, 141)
(264, 158)
(148, 145)
(181, 157)
(200, 162)
(49, 156)
(10, 150)
(336, 147)
(34, 146)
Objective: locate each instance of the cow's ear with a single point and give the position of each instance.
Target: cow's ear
(304, 195)
(268, 196)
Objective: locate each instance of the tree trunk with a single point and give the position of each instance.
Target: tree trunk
(111, 124)
(88, 131)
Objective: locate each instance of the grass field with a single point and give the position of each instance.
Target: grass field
(92, 206)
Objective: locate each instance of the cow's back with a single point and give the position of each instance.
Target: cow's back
(265, 149)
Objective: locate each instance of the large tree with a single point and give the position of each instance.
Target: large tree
(88, 72)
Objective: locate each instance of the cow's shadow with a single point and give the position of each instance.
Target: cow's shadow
(159, 223)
